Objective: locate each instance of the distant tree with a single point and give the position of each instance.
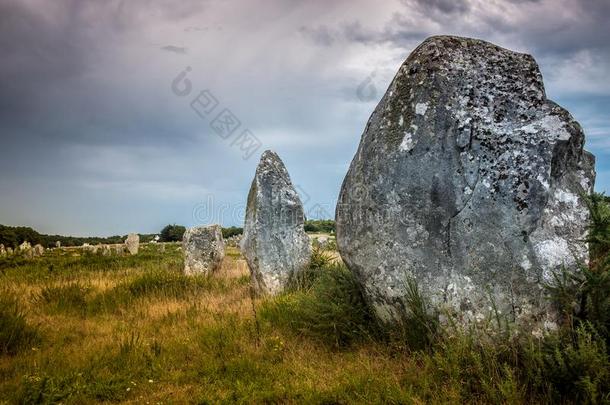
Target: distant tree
(172, 233)
(231, 231)
(320, 225)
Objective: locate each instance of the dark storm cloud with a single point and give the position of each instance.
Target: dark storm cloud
(440, 6)
(90, 130)
(175, 49)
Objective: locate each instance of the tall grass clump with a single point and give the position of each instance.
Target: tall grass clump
(15, 331)
(67, 298)
(420, 327)
(329, 307)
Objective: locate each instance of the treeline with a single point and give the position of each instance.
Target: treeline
(13, 236)
(320, 225)
(174, 233)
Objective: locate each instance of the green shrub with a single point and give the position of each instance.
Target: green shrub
(231, 231)
(332, 310)
(15, 332)
(305, 279)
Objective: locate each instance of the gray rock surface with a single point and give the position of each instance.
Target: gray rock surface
(38, 250)
(204, 249)
(105, 250)
(467, 179)
(274, 241)
(132, 243)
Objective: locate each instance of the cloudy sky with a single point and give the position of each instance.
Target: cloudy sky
(99, 134)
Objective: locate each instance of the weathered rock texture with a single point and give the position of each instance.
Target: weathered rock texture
(468, 179)
(274, 241)
(203, 249)
(132, 243)
(38, 250)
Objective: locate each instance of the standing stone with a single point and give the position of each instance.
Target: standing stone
(119, 249)
(203, 249)
(25, 246)
(469, 181)
(274, 241)
(9, 251)
(132, 243)
(2, 251)
(322, 242)
(38, 250)
(162, 247)
(106, 251)
(58, 244)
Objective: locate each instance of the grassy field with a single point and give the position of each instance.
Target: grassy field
(133, 329)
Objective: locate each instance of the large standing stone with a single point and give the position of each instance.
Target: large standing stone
(469, 180)
(132, 243)
(204, 249)
(274, 241)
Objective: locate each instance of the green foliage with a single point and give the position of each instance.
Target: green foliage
(331, 309)
(320, 225)
(231, 231)
(599, 226)
(172, 233)
(421, 327)
(305, 279)
(15, 332)
(13, 236)
(583, 297)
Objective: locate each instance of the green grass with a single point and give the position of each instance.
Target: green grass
(92, 329)
(16, 333)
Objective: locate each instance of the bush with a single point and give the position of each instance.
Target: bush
(231, 231)
(320, 225)
(172, 233)
(15, 332)
(331, 309)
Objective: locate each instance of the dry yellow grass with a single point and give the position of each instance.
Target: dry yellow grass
(134, 330)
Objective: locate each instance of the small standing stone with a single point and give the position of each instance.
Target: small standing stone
(203, 249)
(58, 244)
(132, 243)
(274, 241)
(38, 250)
(2, 251)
